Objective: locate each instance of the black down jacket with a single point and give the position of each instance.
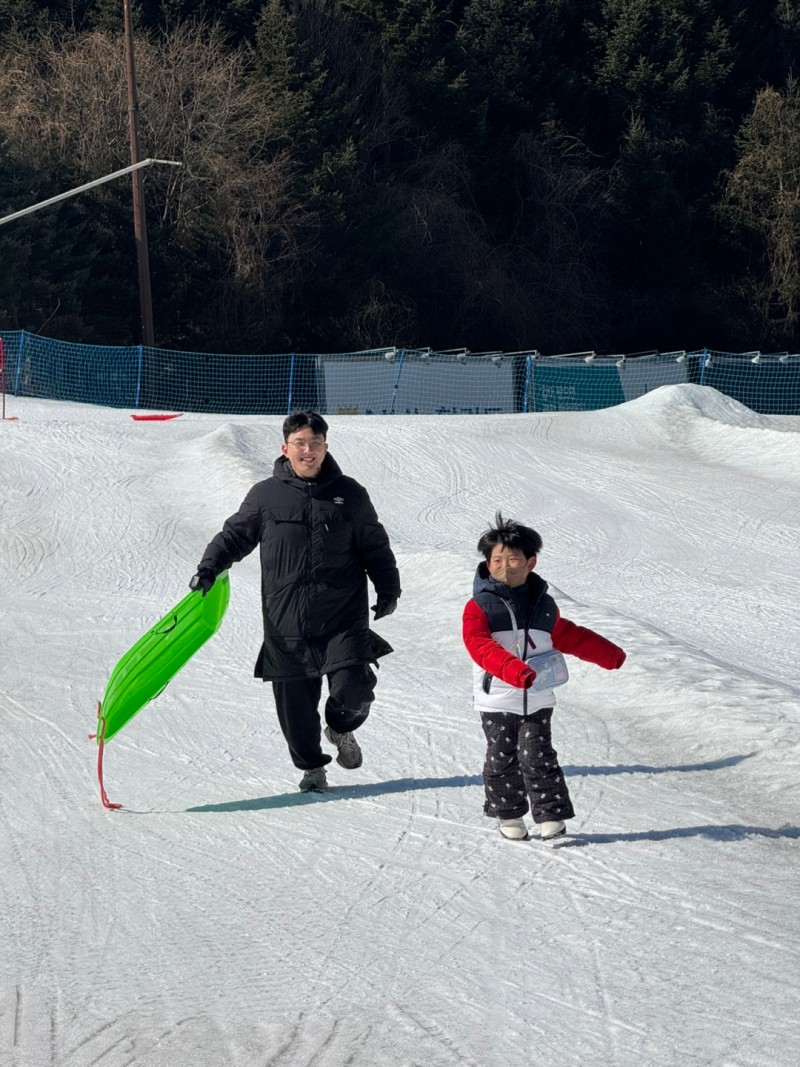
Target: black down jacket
(319, 542)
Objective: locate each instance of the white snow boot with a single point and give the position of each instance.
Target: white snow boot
(349, 755)
(549, 830)
(514, 829)
(314, 781)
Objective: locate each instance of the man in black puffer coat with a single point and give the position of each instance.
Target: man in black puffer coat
(320, 539)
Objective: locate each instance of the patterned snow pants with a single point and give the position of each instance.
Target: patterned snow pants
(521, 766)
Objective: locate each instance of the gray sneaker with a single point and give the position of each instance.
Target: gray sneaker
(349, 750)
(314, 781)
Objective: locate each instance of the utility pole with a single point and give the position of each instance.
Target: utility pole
(139, 217)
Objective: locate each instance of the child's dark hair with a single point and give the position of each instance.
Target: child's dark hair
(512, 535)
(298, 420)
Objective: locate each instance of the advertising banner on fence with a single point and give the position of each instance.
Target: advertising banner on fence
(416, 385)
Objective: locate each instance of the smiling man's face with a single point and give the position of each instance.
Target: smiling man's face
(305, 451)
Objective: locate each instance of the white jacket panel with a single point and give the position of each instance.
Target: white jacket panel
(503, 697)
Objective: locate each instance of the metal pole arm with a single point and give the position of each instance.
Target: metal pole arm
(89, 185)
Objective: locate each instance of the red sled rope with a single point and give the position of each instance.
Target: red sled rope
(102, 729)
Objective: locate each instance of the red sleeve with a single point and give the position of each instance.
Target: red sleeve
(490, 655)
(586, 644)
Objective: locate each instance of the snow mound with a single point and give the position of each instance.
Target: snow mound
(709, 403)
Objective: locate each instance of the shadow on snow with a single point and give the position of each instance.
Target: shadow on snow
(404, 785)
(725, 832)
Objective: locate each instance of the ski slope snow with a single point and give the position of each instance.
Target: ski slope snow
(223, 919)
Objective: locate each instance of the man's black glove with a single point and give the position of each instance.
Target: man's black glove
(203, 580)
(384, 607)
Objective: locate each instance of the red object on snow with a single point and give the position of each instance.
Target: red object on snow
(11, 418)
(103, 795)
(155, 418)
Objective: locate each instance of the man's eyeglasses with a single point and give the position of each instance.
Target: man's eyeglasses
(306, 446)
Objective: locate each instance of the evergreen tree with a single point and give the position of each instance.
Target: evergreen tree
(49, 258)
(762, 201)
(18, 15)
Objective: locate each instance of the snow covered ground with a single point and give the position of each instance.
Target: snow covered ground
(223, 918)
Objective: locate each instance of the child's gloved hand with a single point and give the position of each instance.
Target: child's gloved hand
(522, 677)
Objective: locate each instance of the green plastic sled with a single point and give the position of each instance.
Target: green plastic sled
(146, 669)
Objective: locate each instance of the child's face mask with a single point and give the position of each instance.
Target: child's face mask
(509, 565)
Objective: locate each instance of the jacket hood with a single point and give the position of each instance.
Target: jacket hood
(329, 470)
(484, 583)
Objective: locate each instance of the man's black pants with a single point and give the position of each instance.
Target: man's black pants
(351, 691)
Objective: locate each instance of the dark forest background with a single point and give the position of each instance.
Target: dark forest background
(497, 174)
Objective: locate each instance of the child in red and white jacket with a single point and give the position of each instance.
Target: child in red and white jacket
(511, 618)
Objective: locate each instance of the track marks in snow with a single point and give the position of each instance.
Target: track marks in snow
(28, 1029)
(367, 927)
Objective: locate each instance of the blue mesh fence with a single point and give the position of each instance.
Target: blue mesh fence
(384, 381)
